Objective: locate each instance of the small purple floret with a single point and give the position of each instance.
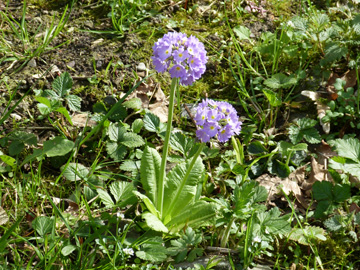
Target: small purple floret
(184, 57)
(216, 118)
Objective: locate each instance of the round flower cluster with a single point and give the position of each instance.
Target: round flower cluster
(184, 57)
(216, 118)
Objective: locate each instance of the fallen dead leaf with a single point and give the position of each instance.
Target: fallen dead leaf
(4, 218)
(82, 120)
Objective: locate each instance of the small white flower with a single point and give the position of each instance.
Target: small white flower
(128, 251)
(257, 239)
(290, 24)
(120, 215)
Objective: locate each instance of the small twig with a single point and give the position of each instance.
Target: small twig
(189, 113)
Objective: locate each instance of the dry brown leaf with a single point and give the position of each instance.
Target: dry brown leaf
(350, 78)
(4, 218)
(321, 108)
(71, 205)
(270, 183)
(318, 173)
(82, 120)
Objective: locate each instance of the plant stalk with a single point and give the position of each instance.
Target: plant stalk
(161, 181)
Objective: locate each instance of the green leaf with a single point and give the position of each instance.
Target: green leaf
(280, 80)
(304, 129)
(62, 84)
(74, 103)
(322, 191)
(152, 250)
(67, 250)
(271, 222)
(279, 168)
(242, 32)
(334, 223)
(308, 234)
(16, 147)
(273, 98)
(64, 112)
(152, 123)
(348, 148)
(154, 222)
(116, 132)
(123, 193)
(132, 140)
(26, 138)
(137, 125)
(333, 52)
(119, 114)
(44, 101)
(43, 109)
(196, 215)
(181, 186)
(148, 203)
(105, 197)
(179, 142)
(8, 161)
(341, 193)
(134, 103)
(75, 172)
(116, 151)
(58, 146)
(130, 165)
(43, 225)
(149, 172)
(256, 148)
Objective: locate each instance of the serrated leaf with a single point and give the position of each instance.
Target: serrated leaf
(333, 52)
(116, 132)
(134, 103)
(123, 193)
(179, 142)
(152, 123)
(132, 140)
(348, 148)
(153, 253)
(75, 172)
(58, 146)
(242, 32)
(43, 225)
(154, 222)
(130, 165)
(119, 114)
(74, 103)
(334, 223)
(116, 151)
(280, 80)
(105, 197)
(307, 234)
(322, 190)
(62, 84)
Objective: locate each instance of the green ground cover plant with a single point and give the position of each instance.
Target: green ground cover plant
(179, 134)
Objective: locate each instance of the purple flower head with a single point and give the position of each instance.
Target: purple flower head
(184, 57)
(216, 118)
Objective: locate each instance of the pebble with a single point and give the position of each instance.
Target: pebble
(71, 64)
(141, 67)
(32, 63)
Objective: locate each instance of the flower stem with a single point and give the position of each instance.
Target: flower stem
(162, 177)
